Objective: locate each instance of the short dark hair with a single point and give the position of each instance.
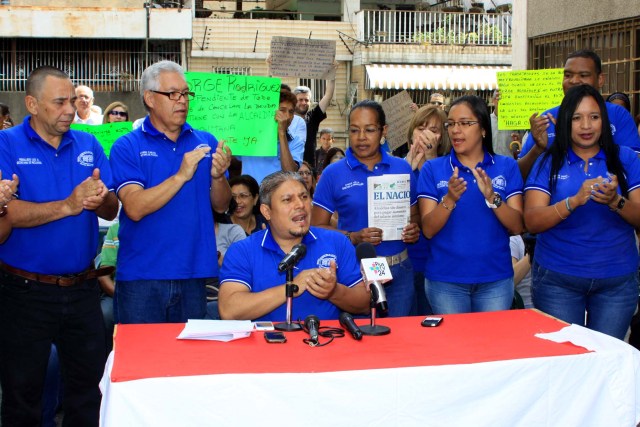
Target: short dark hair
(588, 54)
(622, 97)
(38, 76)
(372, 105)
(287, 96)
(479, 109)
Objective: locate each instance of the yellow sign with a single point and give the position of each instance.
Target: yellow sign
(523, 93)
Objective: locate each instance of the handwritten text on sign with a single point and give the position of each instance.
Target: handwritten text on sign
(522, 93)
(298, 57)
(238, 109)
(397, 109)
(105, 134)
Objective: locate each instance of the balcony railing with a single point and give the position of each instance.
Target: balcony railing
(402, 27)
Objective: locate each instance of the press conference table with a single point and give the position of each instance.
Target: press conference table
(483, 369)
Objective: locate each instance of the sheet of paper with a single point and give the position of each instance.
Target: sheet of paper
(218, 330)
(389, 204)
(301, 57)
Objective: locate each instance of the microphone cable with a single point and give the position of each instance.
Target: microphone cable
(323, 331)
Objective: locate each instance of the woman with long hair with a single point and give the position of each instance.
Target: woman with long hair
(582, 201)
(427, 139)
(470, 202)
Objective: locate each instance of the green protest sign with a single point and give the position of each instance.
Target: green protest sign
(107, 133)
(523, 93)
(238, 109)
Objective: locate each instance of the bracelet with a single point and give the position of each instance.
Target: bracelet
(447, 207)
(555, 206)
(567, 205)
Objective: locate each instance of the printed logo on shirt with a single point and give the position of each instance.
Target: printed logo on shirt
(613, 129)
(442, 184)
(148, 154)
(28, 161)
(352, 184)
(562, 177)
(204, 146)
(499, 182)
(325, 260)
(86, 158)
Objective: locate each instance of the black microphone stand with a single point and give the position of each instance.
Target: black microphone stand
(290, 288)
(373, 329)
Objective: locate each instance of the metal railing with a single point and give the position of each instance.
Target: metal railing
(106, 65)
(403, 27)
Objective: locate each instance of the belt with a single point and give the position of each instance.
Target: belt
(63, 280)
(397, 258)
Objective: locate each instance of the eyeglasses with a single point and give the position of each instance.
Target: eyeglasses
(463, 124)
(305, 173)
(368, 131)
(118, 113)
(241, 196)
(175, 96)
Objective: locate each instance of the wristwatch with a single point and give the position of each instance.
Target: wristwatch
(497, 201)
(619, 205)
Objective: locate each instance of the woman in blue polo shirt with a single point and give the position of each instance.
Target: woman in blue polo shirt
(470, 201)
(581, 198)
(343, 189)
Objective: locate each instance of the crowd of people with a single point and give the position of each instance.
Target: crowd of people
(194, 242)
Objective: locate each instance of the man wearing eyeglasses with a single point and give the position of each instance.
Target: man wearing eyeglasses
(169, 177)
(84, 102)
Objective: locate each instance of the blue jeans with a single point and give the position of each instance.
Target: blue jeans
(159, 301)
(421, 306)
(449, 298)
(400, 292)
(609, 303)
(32, 316)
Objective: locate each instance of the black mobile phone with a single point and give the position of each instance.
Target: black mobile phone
(431, 321)
(275, 337)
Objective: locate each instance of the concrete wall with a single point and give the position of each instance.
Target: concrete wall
(549, 16)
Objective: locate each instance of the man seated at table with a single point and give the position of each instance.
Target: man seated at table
(328, 276)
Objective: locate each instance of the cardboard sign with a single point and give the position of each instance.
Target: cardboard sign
(397, 109)
(298, 57)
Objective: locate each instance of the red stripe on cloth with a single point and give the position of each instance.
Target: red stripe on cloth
(152, 350)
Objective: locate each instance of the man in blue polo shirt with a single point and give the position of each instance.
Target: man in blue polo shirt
(168, 177)
(328, 276)
(48, 288)
(581, 67)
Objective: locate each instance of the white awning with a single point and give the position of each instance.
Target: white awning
(451, 77)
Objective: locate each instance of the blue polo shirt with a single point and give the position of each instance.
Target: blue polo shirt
(177, 241)
(473, 246)
(593, 242)
(343, 188)
(259, 167)
(254, 263)
(419, 250)
(67, 245)
(623, 129)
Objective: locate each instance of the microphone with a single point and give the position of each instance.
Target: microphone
(312, 323)
(347, 322)
(375, 272)
(292, 258)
